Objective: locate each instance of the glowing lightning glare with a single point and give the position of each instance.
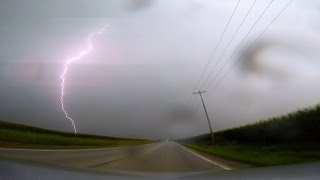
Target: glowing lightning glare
(71, 60)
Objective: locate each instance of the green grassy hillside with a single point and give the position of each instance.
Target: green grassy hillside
(17, 135)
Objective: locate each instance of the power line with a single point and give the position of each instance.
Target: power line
(255, 23)
(225, 49)
(256, 39)
(237, 46)
(197, 106)
(240, 25)
(224, 31)
(195, 99)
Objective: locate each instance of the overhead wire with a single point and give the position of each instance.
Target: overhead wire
(230, 41)
(264, 11)
(234, 35)
(253, 42)
(242, 41)
(214, 51)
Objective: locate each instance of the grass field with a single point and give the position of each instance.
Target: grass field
(261, 155)
(292, 138)
(17, 135)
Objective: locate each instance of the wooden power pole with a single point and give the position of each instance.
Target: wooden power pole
(205, 110)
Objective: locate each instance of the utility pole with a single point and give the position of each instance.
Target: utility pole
(205, 110)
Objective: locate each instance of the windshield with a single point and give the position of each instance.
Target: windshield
(160, 86)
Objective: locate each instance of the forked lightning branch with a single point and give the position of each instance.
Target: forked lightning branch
(70, 60)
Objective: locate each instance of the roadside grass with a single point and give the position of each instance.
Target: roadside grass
(22, 136)
(262, 155)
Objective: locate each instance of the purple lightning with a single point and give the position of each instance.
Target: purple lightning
(71, 60)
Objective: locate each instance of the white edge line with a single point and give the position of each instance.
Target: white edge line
(203, 158)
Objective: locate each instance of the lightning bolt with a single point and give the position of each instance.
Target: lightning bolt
(71, 60)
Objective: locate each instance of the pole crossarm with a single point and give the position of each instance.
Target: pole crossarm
(199, 92)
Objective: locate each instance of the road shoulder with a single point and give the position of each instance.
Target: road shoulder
(228, 163)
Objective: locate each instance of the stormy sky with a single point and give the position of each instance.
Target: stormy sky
(138, 80)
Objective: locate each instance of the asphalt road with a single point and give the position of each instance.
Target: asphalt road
(156, 157)
(17, 170)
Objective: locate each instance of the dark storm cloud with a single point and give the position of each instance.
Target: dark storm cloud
(118, 100)
(182, 113)
(253, 59)
(138, 80)
(73, 8)
(139, 4)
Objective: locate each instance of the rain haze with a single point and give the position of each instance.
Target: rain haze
(139, 78)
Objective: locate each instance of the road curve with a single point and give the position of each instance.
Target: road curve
(156, 157)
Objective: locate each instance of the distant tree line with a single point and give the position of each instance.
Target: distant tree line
(302, 126)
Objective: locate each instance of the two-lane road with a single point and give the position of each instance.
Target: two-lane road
(156, 157)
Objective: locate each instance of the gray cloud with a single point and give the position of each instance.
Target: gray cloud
(138, 80)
